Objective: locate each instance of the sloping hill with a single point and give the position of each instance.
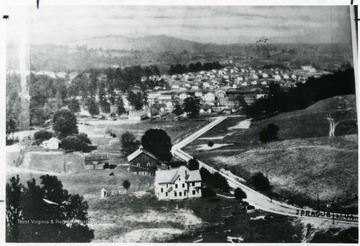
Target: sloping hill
(306, 123)
(302, 169)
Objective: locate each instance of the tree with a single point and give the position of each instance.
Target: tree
(193, 164)
(76, 143)
(192, 106)
(128, 143)
(157, 142)
(64, 215)
(178, 110)
(269, 133)
(239, 194)
(42, 135)
(13, 209)
(137, 100)
(120, 106)
(210, 144)
(74, 106)
(64, 123)
(207, 192)
(261, 182)
(126, 185)
(93, 107)
(219, 182)
(10, 127)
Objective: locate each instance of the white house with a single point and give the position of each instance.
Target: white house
(177, 184)
(52, 143)
(183, 96)
(209, 97)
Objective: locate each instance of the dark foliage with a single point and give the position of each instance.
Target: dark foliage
(126, 184)
(239, 194)
(128, 143)
(52, 214)
(74, 106)
(93, 107)
(193, 164)
(193, 67)
(157, 142)
(178, 110)
(207, 192)
(42, 135)
(192, 106)
(210, 143)
(215, 180)
(302, 96)
(261, 182)
(78, 142)
(64, 123)
(138, 100)
(269, 133)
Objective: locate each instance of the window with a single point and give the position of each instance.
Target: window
(148, 164)
(138, 164)
(162, 190)
(179, 193)
(165, 193)
(184, 193)
(183, 185)
(176, 186)
(193, 192)
(193, 183)
(174, 193)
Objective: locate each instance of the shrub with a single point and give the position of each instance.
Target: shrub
(239, 194)
(269, 133)
(207, 192)
(193, 164)
(261, 182)
(78, 142)
(42, 135)
(210, 144)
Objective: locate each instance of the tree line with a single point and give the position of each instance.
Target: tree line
(98, 88)
(280, 100)
(194, 67)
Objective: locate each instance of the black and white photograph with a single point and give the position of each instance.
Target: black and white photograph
(171, 123)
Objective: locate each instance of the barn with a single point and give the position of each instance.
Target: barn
(143, 162)
(96, 161)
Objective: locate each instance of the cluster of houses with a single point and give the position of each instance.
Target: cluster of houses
(219, 90)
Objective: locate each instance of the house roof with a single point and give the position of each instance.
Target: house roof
(170, 176)
(96, 157)
(139, 151)
(53, 139)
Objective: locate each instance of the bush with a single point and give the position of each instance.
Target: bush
(193, 164)
(210, 144)
(42, 135)
(207, 192)
(76, 143)
(261, 182)
(239, 194)
(269, 133)
(74, 106)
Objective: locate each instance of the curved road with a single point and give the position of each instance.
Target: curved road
(255, 198)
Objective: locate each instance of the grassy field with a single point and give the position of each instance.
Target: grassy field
(139, 217)
(175, 129)
(305, 163)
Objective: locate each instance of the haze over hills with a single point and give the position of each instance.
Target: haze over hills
(158, 43)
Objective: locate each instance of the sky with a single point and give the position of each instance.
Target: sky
(206, 24)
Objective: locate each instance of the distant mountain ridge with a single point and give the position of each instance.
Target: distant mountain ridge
(158, 43)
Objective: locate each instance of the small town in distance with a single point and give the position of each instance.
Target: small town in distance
(182, 141)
